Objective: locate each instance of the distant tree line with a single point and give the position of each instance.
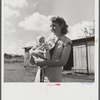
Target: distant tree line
(12, 55)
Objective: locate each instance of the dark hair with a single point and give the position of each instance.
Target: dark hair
(60, 21)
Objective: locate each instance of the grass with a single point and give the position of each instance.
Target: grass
(13, 60)
(15, 72)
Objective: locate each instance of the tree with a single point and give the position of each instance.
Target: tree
(7, 55)
(88, 28)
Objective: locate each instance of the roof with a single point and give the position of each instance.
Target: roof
(83, 39)
(28, 47)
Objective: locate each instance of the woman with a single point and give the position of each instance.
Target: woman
(60, 52)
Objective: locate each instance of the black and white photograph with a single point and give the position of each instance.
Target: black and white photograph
(31, 50)
(49, 42)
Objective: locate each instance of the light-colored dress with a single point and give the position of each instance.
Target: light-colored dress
(54, 74)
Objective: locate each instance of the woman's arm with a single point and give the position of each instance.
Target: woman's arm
(56, 63)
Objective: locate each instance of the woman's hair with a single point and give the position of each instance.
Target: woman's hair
(60, 21)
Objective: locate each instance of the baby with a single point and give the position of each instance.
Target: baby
(37, 50)
(41, 50)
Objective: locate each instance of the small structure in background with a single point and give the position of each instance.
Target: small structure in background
(26, 55)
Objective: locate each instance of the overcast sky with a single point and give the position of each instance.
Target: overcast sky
(25, 20)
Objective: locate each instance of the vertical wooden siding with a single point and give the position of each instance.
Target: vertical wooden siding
(80, 64)
(79, 56)
(91, 57)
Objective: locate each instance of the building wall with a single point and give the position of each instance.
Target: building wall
(83, 59)
(79, 55)
(91, 57)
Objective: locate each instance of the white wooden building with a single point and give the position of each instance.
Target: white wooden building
(83, 55)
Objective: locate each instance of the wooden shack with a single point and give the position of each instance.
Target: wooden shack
(83, 55)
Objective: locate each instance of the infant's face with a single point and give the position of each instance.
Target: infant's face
(42, 40)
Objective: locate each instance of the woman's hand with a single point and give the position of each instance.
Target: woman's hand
(39, 63)
(43, 67)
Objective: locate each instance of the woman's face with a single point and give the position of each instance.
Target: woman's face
(56, 28)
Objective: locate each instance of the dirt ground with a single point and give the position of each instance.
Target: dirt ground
(15, 72)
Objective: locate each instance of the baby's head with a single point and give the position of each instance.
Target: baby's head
(41, 40)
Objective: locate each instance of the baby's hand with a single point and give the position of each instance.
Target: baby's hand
(46, 46)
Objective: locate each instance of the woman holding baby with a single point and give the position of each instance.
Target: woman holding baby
(59, 54)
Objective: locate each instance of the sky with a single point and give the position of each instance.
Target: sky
(25, 20)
